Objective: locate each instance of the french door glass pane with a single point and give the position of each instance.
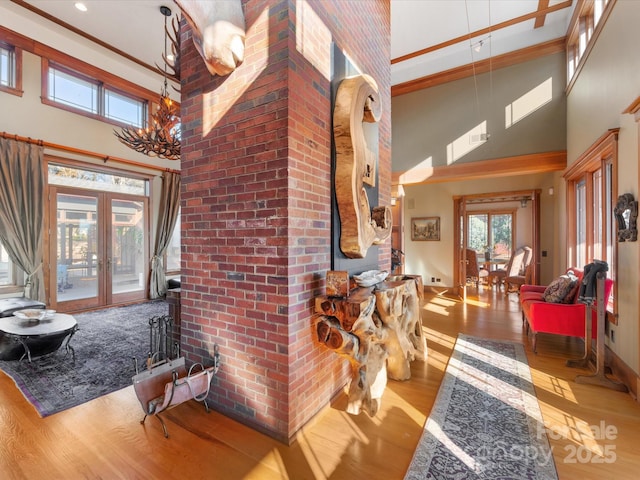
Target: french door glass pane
(501, 236)
(173, 250)
(6, 268)
(478, 237)
(127, 246)
(77, 247)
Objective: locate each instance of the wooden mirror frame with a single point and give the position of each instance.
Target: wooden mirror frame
(626, 213)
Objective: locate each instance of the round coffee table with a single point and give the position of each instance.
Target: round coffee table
(36, 337)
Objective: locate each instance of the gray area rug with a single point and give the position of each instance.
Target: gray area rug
(104, 345)
(486, 421)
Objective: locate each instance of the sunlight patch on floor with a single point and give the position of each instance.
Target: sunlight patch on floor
(437, 309)
(265, 467)
(477, 303)
(554, 385)
(398, 402)
(567, 428)
(439, 337)
(437, 360)
(348, 437)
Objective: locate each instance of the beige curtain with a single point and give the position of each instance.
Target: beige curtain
(21, 210)
(169, 207)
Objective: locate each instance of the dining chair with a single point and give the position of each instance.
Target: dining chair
(515, 266)
(474, 273)
(515, 279)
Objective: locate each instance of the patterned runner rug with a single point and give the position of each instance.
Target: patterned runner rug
(486, 421)
(104, 345)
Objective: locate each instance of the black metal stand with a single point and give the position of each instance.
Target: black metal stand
(598, 377)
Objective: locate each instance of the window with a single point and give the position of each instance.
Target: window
(172, 259)
(72, 90)
(79, 92)
(124, 109)
(585, 25)
(6, 268)
(10, 68)
(96, 180)
(7, 67)
(491, 232)
(591, 190)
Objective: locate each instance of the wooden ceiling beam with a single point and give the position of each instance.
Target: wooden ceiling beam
(501, 167)
(523, 55)
(542, 5)
(484, 31)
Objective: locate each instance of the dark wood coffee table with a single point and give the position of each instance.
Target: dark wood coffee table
(36, 337)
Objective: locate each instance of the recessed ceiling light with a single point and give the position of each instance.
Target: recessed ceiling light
(81, 6)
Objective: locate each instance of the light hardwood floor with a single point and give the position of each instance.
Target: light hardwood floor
(103, 439)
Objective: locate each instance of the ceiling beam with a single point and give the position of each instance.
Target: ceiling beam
(505, 60)
(483, 31)
(499, 167)
(542, 5)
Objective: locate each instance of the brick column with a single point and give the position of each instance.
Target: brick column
(256, 205)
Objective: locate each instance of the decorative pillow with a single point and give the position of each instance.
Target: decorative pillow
(559, 290)
(571, 295)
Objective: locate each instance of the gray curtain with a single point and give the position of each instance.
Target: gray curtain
(21, 210)
(169, 207)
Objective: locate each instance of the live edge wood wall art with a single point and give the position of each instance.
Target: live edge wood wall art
(379, 330)
(357, 102)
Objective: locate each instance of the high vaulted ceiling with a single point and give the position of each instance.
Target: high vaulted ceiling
(431, 36)
(427, 36)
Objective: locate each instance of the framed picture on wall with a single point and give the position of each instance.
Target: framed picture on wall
(425, 229)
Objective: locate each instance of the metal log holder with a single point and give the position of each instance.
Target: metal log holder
(166, 382)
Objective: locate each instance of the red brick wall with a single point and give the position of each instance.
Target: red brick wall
(256, 205)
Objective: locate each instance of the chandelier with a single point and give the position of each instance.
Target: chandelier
(161, 138)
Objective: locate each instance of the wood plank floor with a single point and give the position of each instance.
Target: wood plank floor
(103, 439)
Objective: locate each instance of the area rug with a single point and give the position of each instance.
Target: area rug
(105, 344)
(486, 421)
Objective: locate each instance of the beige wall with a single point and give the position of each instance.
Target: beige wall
(425, 122)
(435, 259)
(608, 84)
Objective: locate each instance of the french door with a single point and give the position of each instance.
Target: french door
(100, 245)
(460, 240)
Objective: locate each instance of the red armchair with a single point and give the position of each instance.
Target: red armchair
(557, 318)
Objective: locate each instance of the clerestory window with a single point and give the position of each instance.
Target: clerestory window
(10, 69)
(75, 91)
(585, 26)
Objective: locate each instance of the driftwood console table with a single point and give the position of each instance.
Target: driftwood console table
(379, 329)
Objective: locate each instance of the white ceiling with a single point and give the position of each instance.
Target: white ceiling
(137, 28)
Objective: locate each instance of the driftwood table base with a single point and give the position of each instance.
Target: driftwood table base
(379, 329)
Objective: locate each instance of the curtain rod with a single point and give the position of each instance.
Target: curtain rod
(88, 153)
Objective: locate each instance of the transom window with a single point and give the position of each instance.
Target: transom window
(72, 89)
(96, 180)
(10, 69)
(7, 67)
